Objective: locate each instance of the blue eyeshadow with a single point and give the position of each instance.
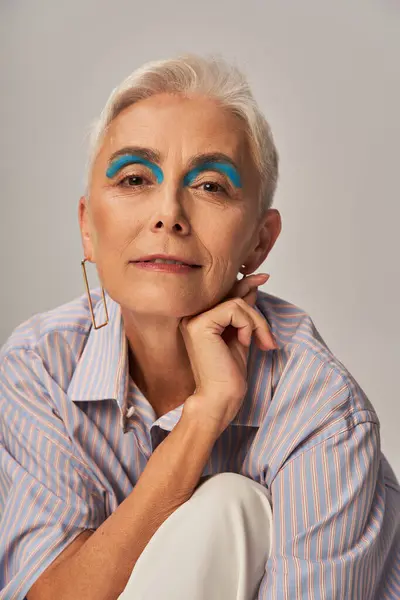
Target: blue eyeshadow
(226, 168)
(128, 159)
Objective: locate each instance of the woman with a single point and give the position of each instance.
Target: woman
(177, 433)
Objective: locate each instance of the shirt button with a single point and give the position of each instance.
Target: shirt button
(130, 411)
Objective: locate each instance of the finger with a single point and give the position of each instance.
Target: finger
(239, 352)
(222, 318)
(242, 326)
(237, 314)
(251, 297)
(243, 287)
(260, 326)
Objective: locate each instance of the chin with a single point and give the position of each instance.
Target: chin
(160, 305)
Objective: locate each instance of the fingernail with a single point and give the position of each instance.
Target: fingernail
(264, 276)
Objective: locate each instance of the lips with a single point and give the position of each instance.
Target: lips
(153, 261)
(153, 257)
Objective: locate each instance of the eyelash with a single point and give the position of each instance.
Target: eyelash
(222, 188)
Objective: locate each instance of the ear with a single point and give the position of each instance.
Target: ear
(268, 232)
(85, 224)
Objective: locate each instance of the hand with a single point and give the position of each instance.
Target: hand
(217, 342)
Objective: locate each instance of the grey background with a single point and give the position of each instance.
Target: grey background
(327, 77)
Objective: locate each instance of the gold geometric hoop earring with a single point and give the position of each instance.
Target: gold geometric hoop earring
(90, 299)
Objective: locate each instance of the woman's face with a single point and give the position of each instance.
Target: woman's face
(207, 214)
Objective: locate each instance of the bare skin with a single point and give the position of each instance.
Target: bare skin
(121, 221)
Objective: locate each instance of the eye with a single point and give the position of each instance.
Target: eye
(131, 181)
(220, 189)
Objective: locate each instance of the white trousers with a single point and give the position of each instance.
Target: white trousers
(213, 547)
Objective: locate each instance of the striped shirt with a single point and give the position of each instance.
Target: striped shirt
(76, 433)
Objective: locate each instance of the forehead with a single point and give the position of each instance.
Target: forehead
(177, 125)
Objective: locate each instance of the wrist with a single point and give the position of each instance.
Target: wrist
(199, 422)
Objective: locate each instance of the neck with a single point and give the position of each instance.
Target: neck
(158, 361)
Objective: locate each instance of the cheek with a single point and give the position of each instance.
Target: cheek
(110, 224)
(224, 235)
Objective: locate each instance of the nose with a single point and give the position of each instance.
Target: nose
(178, 226)
(169, 213)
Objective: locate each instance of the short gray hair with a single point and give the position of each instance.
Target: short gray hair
(188, 74)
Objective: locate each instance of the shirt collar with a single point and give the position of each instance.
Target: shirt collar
(102, 372)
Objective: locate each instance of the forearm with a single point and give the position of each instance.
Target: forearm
(101, 568)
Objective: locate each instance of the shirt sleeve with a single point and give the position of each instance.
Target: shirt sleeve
(327, 519)
(46, 497)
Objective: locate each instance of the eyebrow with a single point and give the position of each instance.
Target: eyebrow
(155, 156)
